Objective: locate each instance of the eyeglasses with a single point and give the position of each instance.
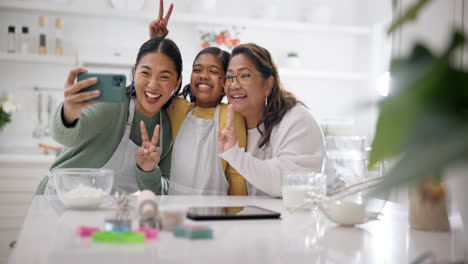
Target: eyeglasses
(242, 78)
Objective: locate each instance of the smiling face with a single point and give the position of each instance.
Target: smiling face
(247, 98)
(155, 81)
(205, 81)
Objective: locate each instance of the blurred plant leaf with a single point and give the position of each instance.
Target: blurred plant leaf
(5, 118)
(409, 15)
(450, 145)
(427, 93)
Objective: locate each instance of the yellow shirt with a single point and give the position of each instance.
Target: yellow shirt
(177, 112)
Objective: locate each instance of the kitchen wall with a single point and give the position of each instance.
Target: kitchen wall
(338, 66)
(434, 26)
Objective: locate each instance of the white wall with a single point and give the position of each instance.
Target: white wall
(434, 27)
(322, 51)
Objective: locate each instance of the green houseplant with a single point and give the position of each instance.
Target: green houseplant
(293, 54)
(423, 122)
(7, 107)
(293, 60)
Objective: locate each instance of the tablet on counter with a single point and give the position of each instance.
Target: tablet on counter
(231, 213)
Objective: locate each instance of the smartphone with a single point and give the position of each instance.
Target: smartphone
(112, 86)
(231, 213)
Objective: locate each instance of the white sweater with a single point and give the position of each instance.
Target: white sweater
(296, 144)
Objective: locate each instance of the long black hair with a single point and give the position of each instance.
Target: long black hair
(166, 47)
(223, 58)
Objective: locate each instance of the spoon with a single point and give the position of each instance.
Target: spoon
(49, 114)
(37, 133)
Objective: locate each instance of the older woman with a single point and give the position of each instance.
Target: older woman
(282, 133)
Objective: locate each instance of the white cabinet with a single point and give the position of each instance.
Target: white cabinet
(19, 176)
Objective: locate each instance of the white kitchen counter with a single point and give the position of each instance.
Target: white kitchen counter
(26, 154)
(21, 170)
(26, 158)
(48, 236)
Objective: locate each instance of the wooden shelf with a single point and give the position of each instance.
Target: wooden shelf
(35, 58)
(324, 75)
(184, 18)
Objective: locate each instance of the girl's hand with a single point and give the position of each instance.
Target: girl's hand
(74, 101)
(227, 138)
(147, 156)
(158, 27)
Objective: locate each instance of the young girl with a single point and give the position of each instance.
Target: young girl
(196, 167)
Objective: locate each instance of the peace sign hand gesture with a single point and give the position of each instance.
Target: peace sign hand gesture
(158, 27)
(148, 156)
(227, 138)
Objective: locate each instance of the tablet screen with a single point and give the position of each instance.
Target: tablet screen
(230, 212)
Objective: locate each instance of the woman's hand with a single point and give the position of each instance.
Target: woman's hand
(147, 156)
(158, 27)
(75, 101)
(227, 138)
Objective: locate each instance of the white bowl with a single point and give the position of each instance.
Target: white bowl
(83, 188)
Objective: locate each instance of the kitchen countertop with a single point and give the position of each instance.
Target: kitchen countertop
(26, 155)
(48, 236)
(26, 158)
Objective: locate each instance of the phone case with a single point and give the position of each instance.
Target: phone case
(112, 86)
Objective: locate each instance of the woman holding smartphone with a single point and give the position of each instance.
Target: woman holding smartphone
(115, 135)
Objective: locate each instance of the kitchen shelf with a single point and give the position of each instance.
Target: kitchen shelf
(314, 74)
(35, 58)
(273, 24)
(103, 61)
(125, 62)
(56, 8)
(183, 18)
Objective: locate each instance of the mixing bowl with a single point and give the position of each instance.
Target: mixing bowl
(83, 188)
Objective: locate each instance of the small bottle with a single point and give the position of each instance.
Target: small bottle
(58, 37)
(42, 36)
(24, 47)
(11, 47)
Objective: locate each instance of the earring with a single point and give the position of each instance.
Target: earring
(132, 89)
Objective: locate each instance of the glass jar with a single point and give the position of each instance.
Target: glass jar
(345, 161)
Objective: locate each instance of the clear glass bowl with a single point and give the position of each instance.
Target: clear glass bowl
(83, 188)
